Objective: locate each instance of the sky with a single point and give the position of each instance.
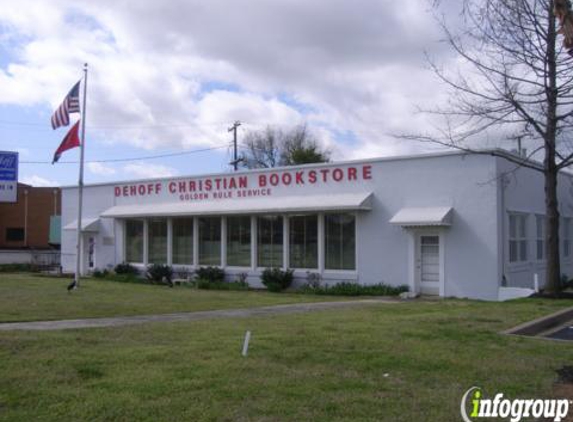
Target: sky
(170, 77)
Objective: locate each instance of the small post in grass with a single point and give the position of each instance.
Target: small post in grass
(246, 343)
(536, 282)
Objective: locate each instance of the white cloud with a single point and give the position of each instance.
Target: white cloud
(148, 171)
(100, 169)
(176, 74)
(38, 181)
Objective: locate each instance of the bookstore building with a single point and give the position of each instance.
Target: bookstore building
(446, 224)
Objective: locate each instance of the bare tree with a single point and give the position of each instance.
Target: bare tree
(262, 148)
(517, 77)
(274, 147)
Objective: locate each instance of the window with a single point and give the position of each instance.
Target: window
(239, 241)
(340, 242)
(182, 242)
(14, 234)
(270, 241)
(540, 224)
(157, 241)
(303, 241)
(209, 241)
(566, 237)
(134, 241)
(517, 237)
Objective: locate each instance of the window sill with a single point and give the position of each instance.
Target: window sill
(522, 265)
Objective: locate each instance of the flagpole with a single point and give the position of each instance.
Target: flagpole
(81, 182)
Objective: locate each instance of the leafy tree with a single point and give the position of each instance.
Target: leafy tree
(274, 147)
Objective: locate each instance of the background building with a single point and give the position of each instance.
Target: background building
(30, 224)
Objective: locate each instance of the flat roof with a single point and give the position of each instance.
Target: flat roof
(436, 154)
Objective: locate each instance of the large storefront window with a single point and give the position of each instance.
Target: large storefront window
(303, 241)
(239, 241)
(134, 240)
(157, 241)
(270, 241)
(209, 241)
(340, 242)
(183, 241)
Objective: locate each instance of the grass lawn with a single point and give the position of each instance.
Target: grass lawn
(403, 362)
(25, 297)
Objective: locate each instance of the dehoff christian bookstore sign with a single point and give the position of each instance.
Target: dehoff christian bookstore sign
(226, 187)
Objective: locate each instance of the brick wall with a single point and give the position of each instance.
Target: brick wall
(40, 203)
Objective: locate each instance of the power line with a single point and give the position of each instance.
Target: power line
(140, 126)
(123, 160)
(104, 126)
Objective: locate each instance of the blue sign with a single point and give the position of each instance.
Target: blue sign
(8, 176)
(8, 166)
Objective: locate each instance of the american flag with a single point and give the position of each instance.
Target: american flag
(71, 104)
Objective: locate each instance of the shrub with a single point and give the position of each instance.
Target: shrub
(242, 279)
(234, 285)
(125, 268)
(566, 282)
(17, 268)
(210, 274)
(100, 274)
(277, 280)
(125, 278)
(313, 280)
(159, 273)
(354, 289)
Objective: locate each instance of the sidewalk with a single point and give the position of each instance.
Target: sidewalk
(189, 316)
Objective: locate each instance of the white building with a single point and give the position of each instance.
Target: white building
(448, 224)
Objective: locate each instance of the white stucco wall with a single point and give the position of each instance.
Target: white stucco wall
(524, 193)
(96, 200)
(456, 181)
(468, 184)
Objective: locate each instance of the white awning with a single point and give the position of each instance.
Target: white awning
(427, 216)
(88, 225)
(334, 202)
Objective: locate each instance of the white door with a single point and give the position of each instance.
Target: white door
(428, 264)
(91, 253)
(88, 258)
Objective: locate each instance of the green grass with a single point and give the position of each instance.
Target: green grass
(25, 297)
(320, 366)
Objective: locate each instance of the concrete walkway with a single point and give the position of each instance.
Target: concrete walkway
(189, 316)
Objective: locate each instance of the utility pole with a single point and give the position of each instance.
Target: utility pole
(233, 128)
(520, 151)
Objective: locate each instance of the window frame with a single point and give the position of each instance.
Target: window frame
(221, 232)
(325, 249)
(566, 238)
(318, 240)
(520, 239)
(165, 223)
(173, 237)
(250, 237)
(540, 237)
(13, 229)
(143, 241)
(283, 242)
